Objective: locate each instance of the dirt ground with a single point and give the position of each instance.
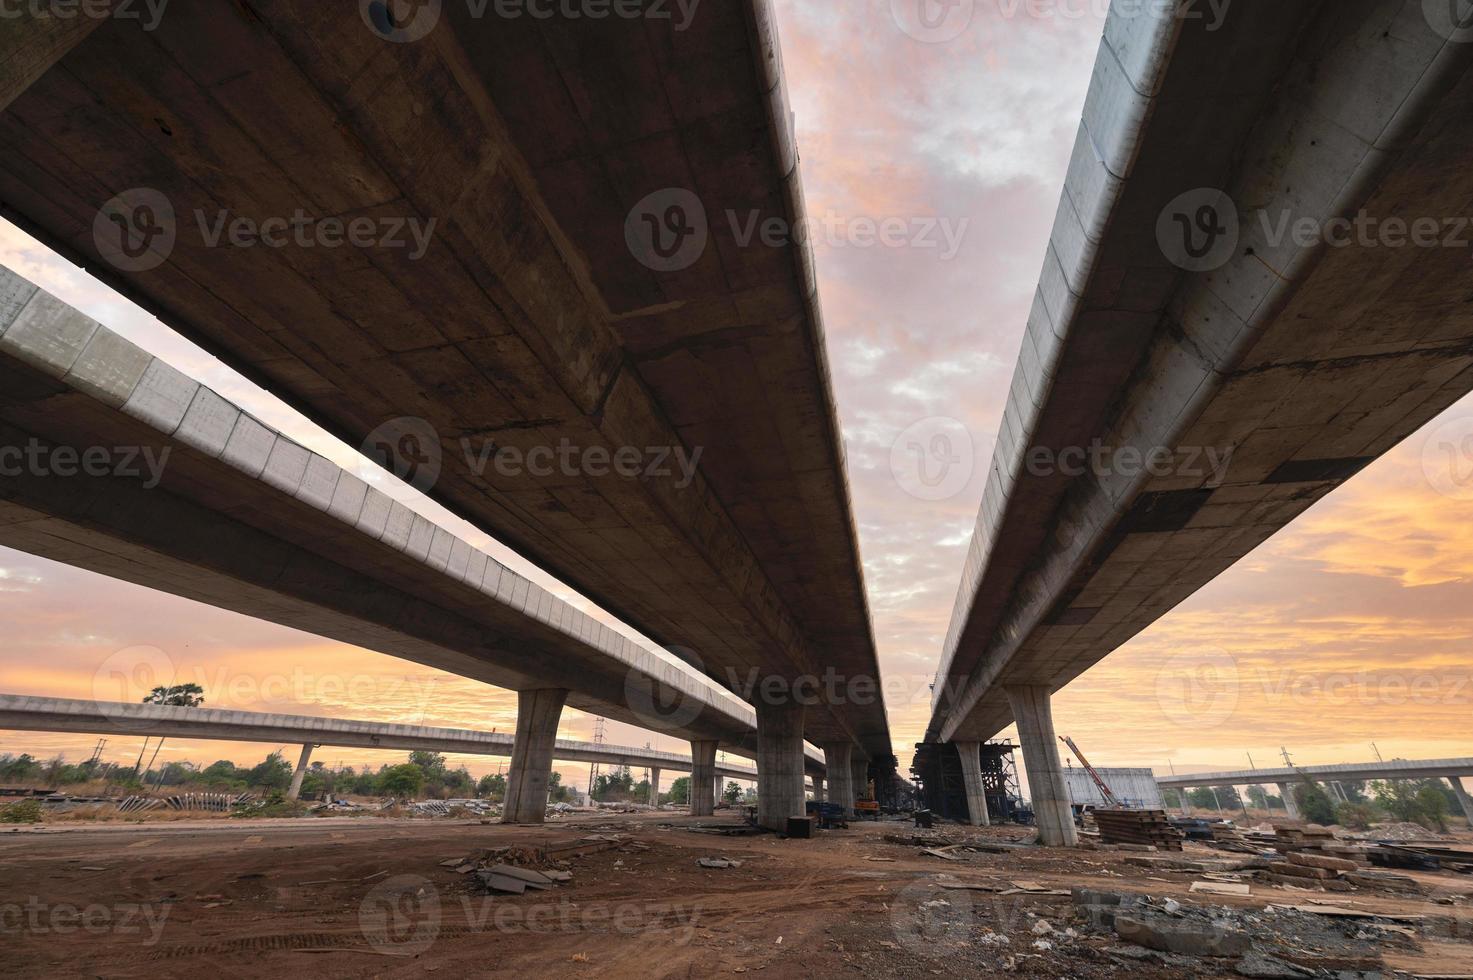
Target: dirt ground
(354, 897)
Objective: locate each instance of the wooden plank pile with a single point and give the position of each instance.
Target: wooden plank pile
(1144, 827)
(1426, 857)
(1227, 837)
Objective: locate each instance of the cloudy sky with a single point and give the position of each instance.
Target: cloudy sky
(1352, 626)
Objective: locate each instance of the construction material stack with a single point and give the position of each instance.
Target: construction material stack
(1145, 827)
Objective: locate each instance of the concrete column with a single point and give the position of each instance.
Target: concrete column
(1464, 800)
(1034, 715)
(859, 776)
(705, 785)
(654, 787)
(302, 763)
(818, 789)
(538, 713)
(779, 764)
(971, 753)
(836, 759)
(1286, 790)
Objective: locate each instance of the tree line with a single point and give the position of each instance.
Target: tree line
(1354, 804)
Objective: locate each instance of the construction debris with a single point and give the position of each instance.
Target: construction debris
(461, 808)
(1221, 888)
(513, 870)
(1278, 941)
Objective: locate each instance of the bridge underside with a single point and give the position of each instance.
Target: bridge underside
(236, 516)
(1257, 382)
(528, 322)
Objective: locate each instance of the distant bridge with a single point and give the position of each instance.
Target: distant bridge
(22, 712)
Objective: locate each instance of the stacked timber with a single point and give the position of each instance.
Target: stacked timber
(1227, 837)
(1143, 827)
(1315, 839)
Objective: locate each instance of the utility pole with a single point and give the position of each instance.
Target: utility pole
(137, 766)
(1287, 761)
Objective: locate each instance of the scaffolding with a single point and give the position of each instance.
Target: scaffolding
(938, 770)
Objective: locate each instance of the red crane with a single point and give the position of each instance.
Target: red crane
(1104, 790)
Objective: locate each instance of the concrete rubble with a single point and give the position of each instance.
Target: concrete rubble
(515, 870)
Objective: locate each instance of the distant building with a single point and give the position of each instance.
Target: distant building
(1132, 787)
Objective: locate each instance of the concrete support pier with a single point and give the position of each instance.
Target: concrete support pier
(818, 789)
(303, 761)
(705, 785)
(780, 776)
(1464, 800)
(971, 754)
(1034, 715)
(859, 776)
(538, 713)
(654, 787)
(1286, 791)
(836, 759)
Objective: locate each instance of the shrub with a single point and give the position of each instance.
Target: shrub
(26, 811)
(1355, 816)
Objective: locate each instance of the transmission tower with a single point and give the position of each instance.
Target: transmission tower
(598, 739)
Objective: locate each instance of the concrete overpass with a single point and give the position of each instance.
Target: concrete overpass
(240, 517)
(1193, 376)
(588, 285)
(1453, 770)
(22, 712)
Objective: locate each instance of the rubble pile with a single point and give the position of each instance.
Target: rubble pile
(516, 869)
(1406, 832)
(1278, 941)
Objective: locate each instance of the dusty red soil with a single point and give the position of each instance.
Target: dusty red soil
(368, 898)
